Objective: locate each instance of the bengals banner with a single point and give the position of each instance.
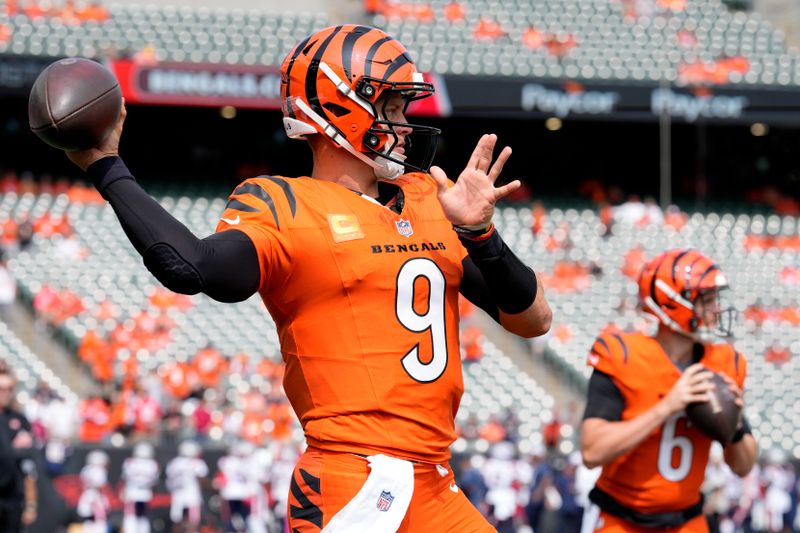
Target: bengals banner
(197, 84)
(216, 85)
(258, 87)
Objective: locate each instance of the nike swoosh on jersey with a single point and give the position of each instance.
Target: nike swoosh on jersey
(454, 487)
(231, 221)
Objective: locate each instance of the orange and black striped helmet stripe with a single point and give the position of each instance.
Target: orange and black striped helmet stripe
(686, 270)
(361, 51)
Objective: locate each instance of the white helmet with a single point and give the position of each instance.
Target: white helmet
(97, 458)
(143, 450)
(189, 448)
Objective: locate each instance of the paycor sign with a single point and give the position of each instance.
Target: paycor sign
(562, 103)
(692, 107)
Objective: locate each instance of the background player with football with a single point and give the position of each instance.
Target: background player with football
(635, 425)
(360, 265)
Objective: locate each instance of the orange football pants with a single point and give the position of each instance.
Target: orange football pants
(608, 523)
(324, 482)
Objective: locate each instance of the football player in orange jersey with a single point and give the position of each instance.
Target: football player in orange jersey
(635, 425)
(360, 265)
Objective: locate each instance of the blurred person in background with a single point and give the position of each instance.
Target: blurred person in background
(8, 290)
(471, 480)
(570, 513)
(778, 483)
(139, 474)
(95, 416)
(796, 522)
(632, 212)
(372, 208)
(585, 479)
(635, 425)
(717, 505)
(542, 481)
(260, 513)
(93, 505)
(184, 473)
(281, 475)
(500, 475)
(57, 424)
(18, 496)
(25, 232)
(233, 481)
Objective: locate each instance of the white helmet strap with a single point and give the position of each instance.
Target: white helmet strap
(384, 168)
(674, 296)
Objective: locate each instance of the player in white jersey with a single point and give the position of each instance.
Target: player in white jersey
(280, 476)
(234, 480)
(500, 473)
(183, 475)
(260, 513)
(93, 506)
(140, 474)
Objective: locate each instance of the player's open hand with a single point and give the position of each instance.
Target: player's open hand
(693, 386)
(470, 202)
(110, 146)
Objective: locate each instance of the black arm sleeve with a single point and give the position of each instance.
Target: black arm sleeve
(224, 265)
(511, 284)
(8, 467)
(604, 399)
(474, 289)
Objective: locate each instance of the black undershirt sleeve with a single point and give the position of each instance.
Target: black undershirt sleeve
(474, 288)
(511, 283)
(604, 400)
(224, 265)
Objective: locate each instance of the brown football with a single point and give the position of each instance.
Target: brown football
(74, 104)
(718, 417)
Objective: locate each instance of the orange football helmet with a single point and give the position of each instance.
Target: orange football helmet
(675, 287)
(333, 84)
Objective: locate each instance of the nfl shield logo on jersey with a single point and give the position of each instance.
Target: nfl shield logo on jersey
(404, 228)
(385, 501)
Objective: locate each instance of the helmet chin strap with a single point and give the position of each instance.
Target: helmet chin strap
(702, 335)
(383, 168)
(387, 169)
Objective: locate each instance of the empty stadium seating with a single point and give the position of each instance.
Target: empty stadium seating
(174, 34)
(596, 40)
(29, 369)
(607, 40)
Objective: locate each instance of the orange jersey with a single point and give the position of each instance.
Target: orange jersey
(366, 305)
(664, 472)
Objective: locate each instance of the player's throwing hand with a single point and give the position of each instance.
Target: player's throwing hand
(109, 146)
(470, 202)
(693, 386)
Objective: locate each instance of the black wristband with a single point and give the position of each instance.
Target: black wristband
(106, 171)
(512, 284)
(743, 430)
(490, 247)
